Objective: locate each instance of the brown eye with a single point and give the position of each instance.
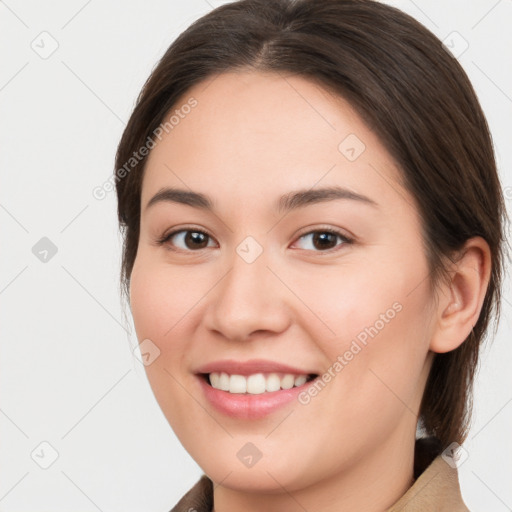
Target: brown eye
(196, 239)
(187, 239)
(323, 240)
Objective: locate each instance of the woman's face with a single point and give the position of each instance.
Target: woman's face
(280, 271)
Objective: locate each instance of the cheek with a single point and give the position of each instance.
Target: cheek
(161, 299)
(161, 305)
(363, 300)
(373, 325)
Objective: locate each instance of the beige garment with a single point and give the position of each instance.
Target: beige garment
(436, 489)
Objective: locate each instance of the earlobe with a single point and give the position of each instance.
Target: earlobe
(462, 297)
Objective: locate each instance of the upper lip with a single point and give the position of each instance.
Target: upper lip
(250, 367)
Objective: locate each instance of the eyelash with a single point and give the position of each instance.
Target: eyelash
(167, 237)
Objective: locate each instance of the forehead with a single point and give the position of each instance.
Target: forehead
(267, 131)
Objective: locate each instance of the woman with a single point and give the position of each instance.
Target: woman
(331, 165)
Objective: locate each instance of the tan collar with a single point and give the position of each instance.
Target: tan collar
(436, 489)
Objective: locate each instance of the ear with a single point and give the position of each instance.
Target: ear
(460, 299)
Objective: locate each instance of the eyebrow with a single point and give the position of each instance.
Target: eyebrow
(287, 202)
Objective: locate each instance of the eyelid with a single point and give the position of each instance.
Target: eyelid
(324, 227)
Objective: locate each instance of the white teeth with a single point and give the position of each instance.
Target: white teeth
(237, 384)
(299, 381)
(224, 382)
(215, 380)
(288, 381)
(255, 384)
(273, 382)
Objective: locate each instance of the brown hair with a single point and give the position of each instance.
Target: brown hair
(406, 87)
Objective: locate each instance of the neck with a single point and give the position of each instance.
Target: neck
(371, 484)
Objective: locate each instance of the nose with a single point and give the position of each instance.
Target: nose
(249, 301)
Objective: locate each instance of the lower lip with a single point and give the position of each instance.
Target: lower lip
(248, 406)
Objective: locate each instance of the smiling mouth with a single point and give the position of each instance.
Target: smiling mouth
(257, 383)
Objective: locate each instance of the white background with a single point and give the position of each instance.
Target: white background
(67, 374)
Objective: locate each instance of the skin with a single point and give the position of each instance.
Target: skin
(251, 138)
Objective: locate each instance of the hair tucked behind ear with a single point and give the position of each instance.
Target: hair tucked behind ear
(406, 87)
